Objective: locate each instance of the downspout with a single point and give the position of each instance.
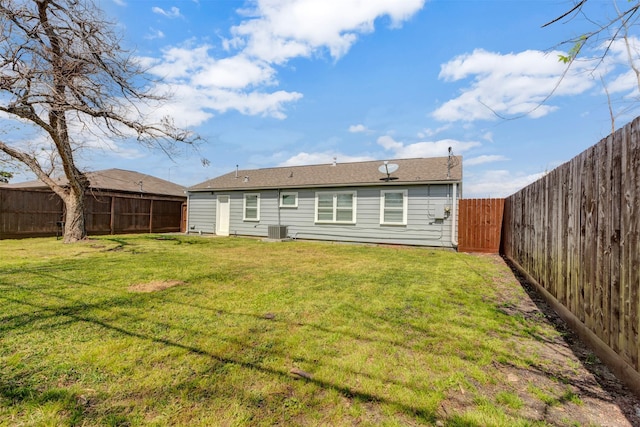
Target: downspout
(186, 225)
(278, 206)
(454, 214)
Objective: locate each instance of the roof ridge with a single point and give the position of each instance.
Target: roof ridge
(342, 163)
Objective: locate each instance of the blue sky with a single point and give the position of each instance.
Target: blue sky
(286, 82)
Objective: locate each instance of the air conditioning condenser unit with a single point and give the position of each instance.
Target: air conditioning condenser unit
(277, 231)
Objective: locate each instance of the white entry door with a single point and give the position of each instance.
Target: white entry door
(222, 217)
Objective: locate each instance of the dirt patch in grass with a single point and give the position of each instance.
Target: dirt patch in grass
(156, 285)
(567, 386)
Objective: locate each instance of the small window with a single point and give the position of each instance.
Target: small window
(338, 207)
(288, 200)
(393, 207)
(251, 207)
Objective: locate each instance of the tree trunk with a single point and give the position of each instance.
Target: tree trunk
(61, 59)
(74, 225)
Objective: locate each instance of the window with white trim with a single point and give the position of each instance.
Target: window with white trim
(336, 207)
(393, 207)
(288, 200)
(251, 208)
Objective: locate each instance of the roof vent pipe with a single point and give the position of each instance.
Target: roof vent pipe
(236, 171)
(449, 164)
(335, 161)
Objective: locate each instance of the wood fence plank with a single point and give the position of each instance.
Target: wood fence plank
(634, 249)
(603, 261)
(588, 236)
(616, 242)
(624, 250)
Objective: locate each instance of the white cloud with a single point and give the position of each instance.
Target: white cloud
(625, 82)
(424, 149)
(180, 62)
(191, 106)
(509, 84)
(271, 33)
(428, 132)
(617, 62)
(358, 128)
(200, 84)
(484, 159)
(120, 2)
(496, 183)
(278, 30)
(254, 103)
(235, 72)
(154, 34)
(321, 158)
(174, 12)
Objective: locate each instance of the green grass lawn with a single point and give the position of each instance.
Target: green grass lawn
(253, 333)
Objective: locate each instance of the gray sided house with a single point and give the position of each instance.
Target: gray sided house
(348, 202)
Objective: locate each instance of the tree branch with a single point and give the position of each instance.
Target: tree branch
(576, 7)
(34, 165)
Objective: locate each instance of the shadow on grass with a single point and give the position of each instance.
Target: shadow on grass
(73, 310)
(67, 401)
(12, 391)
(77, 311)
(615, 390)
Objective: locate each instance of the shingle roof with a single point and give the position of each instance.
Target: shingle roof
(118, 180)
(410, 171)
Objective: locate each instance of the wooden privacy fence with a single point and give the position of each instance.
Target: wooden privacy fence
(29, 213)
(33, 213)
(480, 225)
(575, 233)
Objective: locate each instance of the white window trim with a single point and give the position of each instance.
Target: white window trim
(335, 207)
(405, 204)
(289, 193)
(244, 207)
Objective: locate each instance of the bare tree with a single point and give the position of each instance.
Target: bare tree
(606, 30)
(64, 72)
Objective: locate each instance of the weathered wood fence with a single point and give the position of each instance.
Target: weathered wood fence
(575, 233)
(33, 213)
(479, 225)
(29, 213)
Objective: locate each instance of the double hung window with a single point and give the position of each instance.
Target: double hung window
(336, 207)
(251, 208)
(393, 207)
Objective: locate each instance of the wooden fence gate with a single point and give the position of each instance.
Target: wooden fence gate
(480, 225)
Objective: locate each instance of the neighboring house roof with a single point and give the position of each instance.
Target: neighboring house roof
(410, 171)
(117, 180)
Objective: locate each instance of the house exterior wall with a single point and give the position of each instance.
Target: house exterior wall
(201, 213)
(422, 227)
